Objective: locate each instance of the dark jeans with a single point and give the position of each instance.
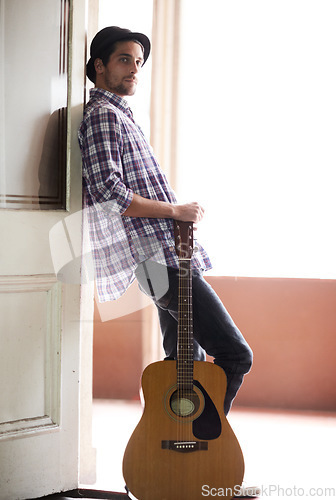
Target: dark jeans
(214, 331)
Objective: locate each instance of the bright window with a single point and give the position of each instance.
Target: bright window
(257, 141)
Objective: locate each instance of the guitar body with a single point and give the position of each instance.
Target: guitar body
(181, 448)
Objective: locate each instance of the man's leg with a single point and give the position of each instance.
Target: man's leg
(216, 332)
(160, 282)
(168, 325)
(214, 329)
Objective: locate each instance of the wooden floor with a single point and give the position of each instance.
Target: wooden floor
(288, 454)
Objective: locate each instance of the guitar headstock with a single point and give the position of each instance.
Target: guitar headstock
(184, 239)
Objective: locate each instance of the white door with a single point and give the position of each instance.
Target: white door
(41, 332)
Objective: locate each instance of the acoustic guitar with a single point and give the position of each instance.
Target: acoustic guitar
(183, 448)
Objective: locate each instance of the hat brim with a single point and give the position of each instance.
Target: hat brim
(140, 37)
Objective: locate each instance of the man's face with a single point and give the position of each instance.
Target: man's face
(120, 73)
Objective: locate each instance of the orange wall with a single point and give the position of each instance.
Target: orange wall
(117, 357)
(289, 323)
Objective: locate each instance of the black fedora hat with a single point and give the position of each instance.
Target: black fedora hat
(107, 37)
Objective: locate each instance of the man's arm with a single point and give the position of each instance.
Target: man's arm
(144, 207)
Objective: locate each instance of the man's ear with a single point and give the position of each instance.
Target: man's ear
(99, 66)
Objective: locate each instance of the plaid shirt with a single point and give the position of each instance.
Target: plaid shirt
(117, 162)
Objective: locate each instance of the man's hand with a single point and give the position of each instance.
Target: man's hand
(192, 212)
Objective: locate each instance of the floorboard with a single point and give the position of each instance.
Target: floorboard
(289, 454)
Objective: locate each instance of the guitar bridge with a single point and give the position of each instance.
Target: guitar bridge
(184, 446)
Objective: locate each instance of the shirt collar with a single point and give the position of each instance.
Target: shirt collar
(119, 102)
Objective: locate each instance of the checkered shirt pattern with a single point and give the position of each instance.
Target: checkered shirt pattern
(117, 162)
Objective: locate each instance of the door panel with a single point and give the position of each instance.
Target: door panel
(30, 353)
(33, 99)
(43, 397)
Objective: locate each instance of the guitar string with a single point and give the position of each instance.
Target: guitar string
(185, 346)
(179, 394)
(180, 347)
(181, 357)
(190, 338)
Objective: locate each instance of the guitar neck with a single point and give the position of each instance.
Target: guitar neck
(185, 357)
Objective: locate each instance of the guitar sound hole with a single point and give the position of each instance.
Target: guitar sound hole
(184, 404)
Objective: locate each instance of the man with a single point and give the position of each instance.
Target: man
(132, 208)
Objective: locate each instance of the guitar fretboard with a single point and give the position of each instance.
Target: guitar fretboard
(185, 358)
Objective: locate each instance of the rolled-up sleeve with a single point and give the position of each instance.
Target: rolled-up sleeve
(102, 146)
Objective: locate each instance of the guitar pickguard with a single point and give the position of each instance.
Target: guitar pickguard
(208, 425)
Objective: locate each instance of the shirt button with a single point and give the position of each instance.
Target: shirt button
(171, 249)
